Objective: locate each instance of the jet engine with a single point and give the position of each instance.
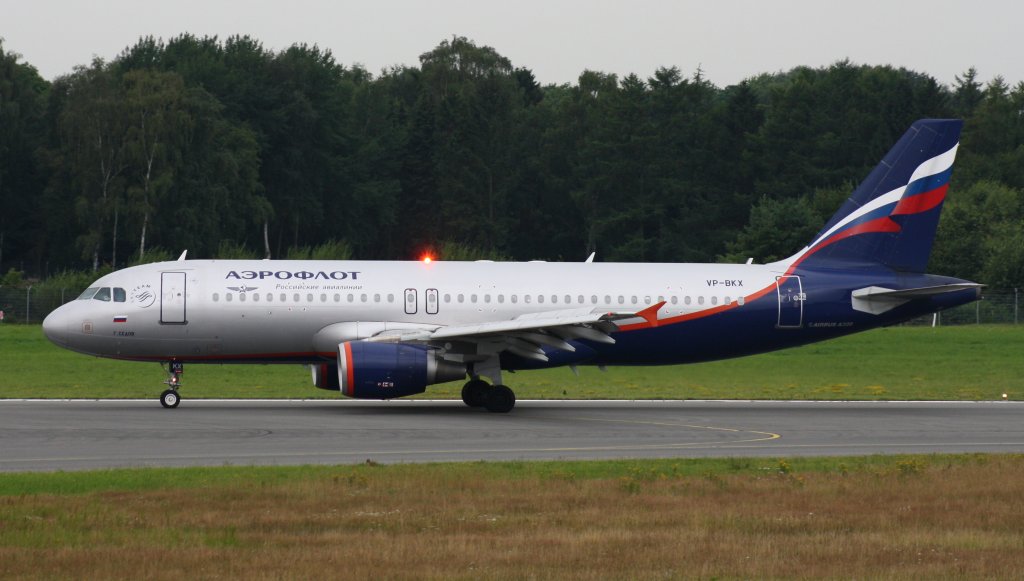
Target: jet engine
(325, 376)
(389, 370)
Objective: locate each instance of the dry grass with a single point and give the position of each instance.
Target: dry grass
(911, 518)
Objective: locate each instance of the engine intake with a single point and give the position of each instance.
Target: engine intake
(389, 370)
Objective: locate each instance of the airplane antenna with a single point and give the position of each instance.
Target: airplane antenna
(750, 260)
(182, 257)
(591, 257)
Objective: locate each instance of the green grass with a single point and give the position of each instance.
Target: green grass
(900, 363)
(255, 477)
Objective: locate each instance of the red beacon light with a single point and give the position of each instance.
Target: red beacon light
(427, 259)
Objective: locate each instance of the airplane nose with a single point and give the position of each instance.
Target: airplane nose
(55, 326)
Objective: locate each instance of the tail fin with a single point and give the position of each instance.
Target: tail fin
(891, 217)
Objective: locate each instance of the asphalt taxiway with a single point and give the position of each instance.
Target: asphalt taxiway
(75, 435)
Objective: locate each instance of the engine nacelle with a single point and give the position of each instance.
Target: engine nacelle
(325, 376)
(389, 370)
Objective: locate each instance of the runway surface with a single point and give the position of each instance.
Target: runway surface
(74, 435)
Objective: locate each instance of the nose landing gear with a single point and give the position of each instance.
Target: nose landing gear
(170, 398)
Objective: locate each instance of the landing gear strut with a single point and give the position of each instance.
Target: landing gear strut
(497, 399)
(170, 398)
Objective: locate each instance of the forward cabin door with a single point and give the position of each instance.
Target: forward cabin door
(172, 298)
(791, 302)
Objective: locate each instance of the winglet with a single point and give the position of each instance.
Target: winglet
(182, 257)
(650, 314)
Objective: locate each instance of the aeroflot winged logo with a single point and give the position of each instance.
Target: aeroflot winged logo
(298, 275)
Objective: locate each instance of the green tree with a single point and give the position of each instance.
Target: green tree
(777, 229)
(22, 98)
(155, 104)
(94, 125)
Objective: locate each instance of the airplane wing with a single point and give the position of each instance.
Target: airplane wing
(524, 335)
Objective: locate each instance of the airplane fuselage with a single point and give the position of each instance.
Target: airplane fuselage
(227, 311)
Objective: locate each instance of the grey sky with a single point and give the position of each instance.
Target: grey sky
(557, 39)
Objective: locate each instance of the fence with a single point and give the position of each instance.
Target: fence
(31, 305)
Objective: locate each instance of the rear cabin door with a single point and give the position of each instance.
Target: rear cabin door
(172, 298)
(791, 302)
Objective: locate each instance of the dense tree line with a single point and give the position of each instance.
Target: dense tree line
(230, 149)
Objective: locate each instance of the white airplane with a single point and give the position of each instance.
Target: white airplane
(382, 330)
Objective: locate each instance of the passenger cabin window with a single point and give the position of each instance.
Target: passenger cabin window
(119, 295)
(227, 297)
(87, 294)
(216, 297)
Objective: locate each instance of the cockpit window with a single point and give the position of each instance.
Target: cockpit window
(87, 293)
(119, 295)
(102, 295)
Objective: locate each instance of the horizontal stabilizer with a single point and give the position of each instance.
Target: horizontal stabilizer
(877, 300)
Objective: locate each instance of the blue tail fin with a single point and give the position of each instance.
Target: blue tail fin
(891, 217)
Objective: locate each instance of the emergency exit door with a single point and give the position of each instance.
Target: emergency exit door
(172, 298)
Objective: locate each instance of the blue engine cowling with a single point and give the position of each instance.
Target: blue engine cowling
(389, 370)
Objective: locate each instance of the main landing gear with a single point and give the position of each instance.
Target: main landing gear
(497, 399)
(170, 398)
